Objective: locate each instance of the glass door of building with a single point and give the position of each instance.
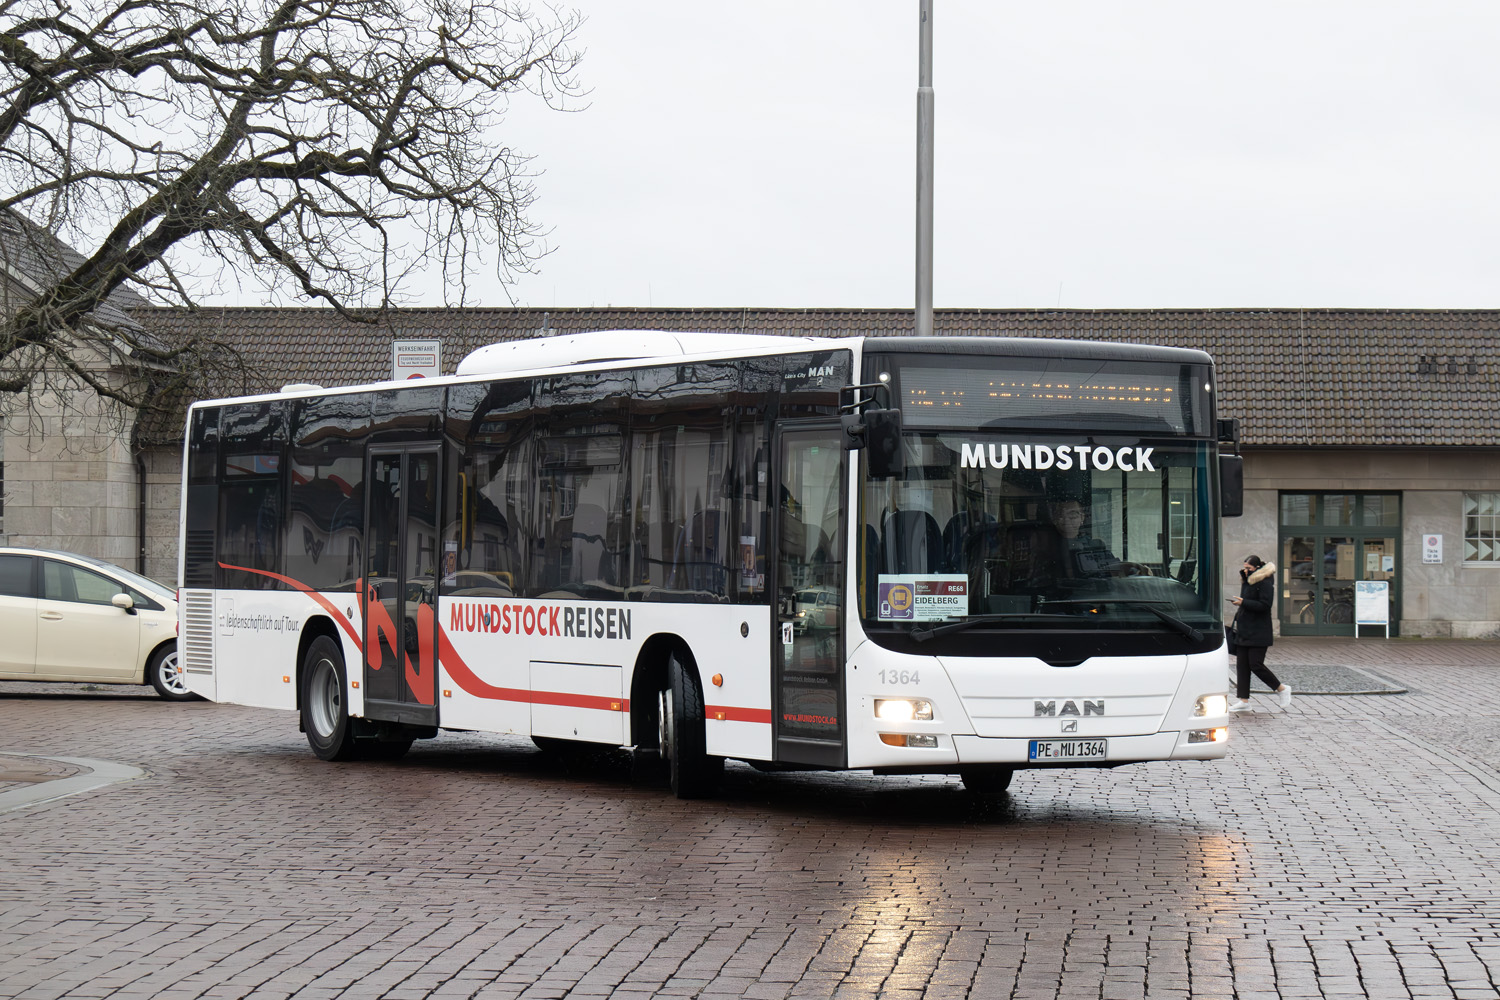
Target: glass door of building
(1330, 541)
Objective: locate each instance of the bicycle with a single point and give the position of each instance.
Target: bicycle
(1339, 610)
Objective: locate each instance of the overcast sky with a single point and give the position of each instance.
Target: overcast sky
(1090, 153)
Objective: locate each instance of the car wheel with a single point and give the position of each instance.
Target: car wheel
(325, 712)
(693, 773)
(165, 674)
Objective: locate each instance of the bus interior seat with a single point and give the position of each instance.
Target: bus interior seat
(968, 540)
(911, 543)
(1029, 546)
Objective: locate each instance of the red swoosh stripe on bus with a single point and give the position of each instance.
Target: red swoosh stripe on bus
(338, 616)
(470, 682)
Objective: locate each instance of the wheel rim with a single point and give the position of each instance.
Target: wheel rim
(324, 697)
(665, 725)
(170, 672)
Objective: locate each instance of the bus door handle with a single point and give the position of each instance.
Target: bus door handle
(51, 616)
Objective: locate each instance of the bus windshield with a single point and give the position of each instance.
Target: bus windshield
(1040, 531)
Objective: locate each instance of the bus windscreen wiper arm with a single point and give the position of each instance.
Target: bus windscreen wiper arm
(1151, 606)
(933, 631)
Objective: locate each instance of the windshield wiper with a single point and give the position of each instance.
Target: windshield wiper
(921, 634)
(1151, 606)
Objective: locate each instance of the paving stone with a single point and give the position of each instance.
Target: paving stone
(1345, 848)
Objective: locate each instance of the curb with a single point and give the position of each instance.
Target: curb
(100, 773)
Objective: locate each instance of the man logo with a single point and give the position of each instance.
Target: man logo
(1071, 726)
(1050, 708)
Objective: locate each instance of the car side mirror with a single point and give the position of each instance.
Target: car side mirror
(124, 603)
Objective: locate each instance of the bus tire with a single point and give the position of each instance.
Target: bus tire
(325, 712)
(986, 780)
(693, 774)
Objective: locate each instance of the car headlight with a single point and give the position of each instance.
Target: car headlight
(904, 710)
(1211, 704)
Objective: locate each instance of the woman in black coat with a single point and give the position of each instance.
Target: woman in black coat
(1253, 625)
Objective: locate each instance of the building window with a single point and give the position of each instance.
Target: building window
(1482, 528)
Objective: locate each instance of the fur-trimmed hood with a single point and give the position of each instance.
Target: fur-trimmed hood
(1264, 573)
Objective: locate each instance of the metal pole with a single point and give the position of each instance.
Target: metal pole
(924, 177)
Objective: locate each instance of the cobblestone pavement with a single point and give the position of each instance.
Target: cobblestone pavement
(1347, 847)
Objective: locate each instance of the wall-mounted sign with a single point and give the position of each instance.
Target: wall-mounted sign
(416, 359)
(1432, 548)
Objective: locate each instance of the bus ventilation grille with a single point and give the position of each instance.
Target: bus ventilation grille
(198, 632)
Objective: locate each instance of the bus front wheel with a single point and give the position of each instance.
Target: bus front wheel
(693, 773)
(325, 712)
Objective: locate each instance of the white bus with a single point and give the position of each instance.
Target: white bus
(907, 555)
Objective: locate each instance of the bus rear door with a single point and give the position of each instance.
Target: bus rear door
(400, 585)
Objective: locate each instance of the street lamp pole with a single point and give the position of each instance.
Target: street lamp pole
(924, 177)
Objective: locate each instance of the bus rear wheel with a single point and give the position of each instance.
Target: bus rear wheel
(692, 772)
(325, 712)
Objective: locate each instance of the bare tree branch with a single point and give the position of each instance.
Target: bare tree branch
(323, 148)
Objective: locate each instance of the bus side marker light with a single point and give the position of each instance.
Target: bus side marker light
(447, 692)
(354, 684)
(285, 679)
(718, 680)
(719, 715)
(615, 706)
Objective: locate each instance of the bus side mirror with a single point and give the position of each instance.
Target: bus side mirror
(1231, 485)
(878, 433)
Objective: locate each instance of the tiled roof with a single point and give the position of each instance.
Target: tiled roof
(1309, 378)
(30, 256)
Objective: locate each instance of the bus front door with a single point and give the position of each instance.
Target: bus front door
(808, 644)
(400, 586)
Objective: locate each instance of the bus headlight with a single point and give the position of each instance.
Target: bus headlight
(907, 710)
(1211, 704)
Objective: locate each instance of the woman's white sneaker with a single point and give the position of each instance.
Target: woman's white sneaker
(1285, 694)
(1240, 706)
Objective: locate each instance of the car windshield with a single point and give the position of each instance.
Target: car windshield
(1031, 527)
(144, 584)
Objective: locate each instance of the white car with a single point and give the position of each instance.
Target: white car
(817, 608)
(66, 617)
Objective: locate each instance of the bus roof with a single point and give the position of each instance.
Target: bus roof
(610, 348)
